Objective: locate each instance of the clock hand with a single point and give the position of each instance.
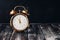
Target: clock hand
(19, 21)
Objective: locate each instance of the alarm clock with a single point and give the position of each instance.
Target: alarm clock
(19, 21)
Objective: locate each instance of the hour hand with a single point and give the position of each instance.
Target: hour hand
(19, 21)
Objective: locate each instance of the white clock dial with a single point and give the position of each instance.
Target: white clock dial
(20, 22)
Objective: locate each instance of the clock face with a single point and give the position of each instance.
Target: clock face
(20, 22)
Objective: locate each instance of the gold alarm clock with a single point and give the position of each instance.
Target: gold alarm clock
(19, 21)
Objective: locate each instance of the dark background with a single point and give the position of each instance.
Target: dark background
(40, 11)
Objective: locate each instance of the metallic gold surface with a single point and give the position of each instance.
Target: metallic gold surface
(13, 12)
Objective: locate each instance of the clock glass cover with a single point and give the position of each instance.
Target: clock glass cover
(20, 22)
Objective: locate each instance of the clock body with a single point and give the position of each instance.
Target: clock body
(19, 22)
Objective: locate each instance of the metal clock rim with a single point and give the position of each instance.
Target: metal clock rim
(11, 20)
